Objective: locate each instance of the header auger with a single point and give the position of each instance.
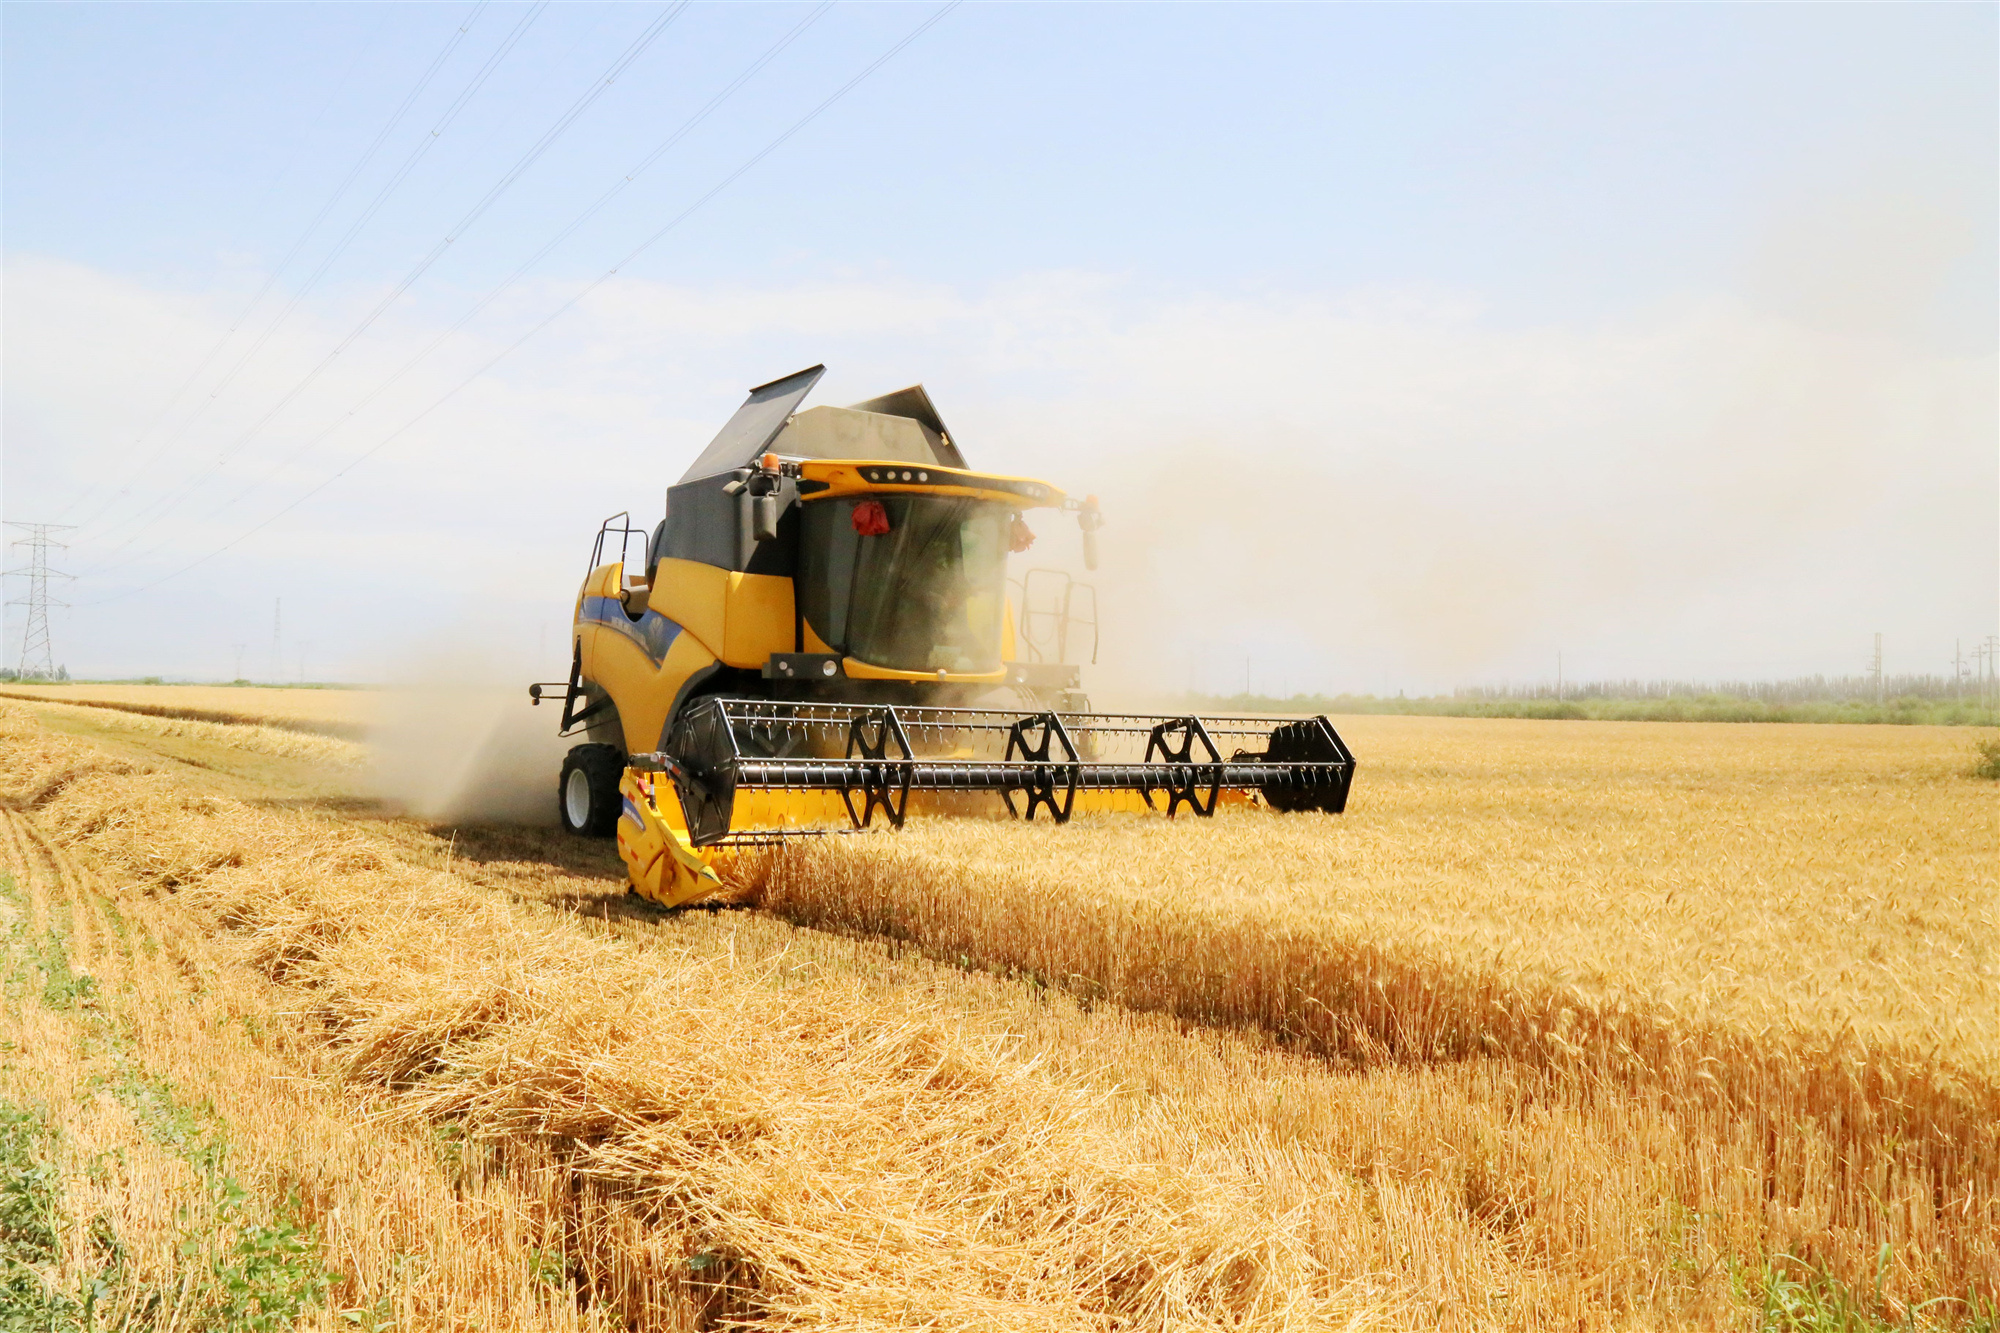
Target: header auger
(821, 633)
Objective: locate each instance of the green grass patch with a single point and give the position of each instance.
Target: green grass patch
(241, 1269)
(1986, 759)
(1793, 1296)
(245, 1263)
(29, 1221)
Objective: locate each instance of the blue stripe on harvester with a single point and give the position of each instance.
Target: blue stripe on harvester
(651, 631)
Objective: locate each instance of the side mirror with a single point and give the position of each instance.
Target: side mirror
(1090, 518)
(764, 518)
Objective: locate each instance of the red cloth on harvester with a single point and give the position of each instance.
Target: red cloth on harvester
(870, 518)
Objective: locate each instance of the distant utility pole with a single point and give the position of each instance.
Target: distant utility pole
(277, 621)
(1875, 668)
(239, 661)
(37, 657)
(1957, 673)
(1559, 675)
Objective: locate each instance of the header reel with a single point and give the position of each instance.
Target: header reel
(875, 756)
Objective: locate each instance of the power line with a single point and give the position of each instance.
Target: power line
(528, 159)
(424, 146)
(37, 656)
(195, 374)
(767, 150)
(339, 191)
(410, 163)
(608, 274)
(659, 151)
(339, 87)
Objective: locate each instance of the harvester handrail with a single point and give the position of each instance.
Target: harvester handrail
(625, 533)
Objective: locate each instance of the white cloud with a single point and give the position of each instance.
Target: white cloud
(1387, 487)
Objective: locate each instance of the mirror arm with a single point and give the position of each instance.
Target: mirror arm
(1090, 517)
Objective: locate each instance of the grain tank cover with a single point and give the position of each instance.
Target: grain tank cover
(749, 433)
(845, 432)
(915, 404)
(903, 426)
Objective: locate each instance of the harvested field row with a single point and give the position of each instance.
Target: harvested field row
(724, 1114)
(212, 1175)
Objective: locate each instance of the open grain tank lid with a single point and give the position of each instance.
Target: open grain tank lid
(914, 404)
(878, 428)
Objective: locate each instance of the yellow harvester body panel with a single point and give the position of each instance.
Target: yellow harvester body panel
(743, 618)
(694, 617)
(652, 840)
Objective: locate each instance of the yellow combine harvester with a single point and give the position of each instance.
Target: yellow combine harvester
(821, 628)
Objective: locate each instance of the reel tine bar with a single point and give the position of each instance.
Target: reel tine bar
(1182, 775)
(885, 779)
(1040, 779)
(719, 745)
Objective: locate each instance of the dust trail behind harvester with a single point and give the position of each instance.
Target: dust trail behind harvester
(454, 741)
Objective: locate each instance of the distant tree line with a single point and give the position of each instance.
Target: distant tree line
(1654, 701)
(10, 674)
(1796, 690)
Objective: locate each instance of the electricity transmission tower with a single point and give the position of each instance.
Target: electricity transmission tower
(37, 658)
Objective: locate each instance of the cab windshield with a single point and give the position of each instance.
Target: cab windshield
(911, 582)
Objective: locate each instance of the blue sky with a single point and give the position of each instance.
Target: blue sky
(1616, 329)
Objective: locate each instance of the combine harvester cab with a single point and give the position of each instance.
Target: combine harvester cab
(817, 636)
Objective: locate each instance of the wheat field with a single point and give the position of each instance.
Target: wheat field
(1756, 875)
(1789, 935)
(1562, 1026)
(336, 712)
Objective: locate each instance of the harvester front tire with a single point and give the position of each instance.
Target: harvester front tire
(587, 795)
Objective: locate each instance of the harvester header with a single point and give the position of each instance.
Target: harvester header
(823, 628)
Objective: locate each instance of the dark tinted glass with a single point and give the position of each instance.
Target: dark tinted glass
(927, 595)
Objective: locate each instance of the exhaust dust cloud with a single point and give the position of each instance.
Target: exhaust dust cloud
(456, 742)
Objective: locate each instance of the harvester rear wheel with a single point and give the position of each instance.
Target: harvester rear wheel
(587, 794)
